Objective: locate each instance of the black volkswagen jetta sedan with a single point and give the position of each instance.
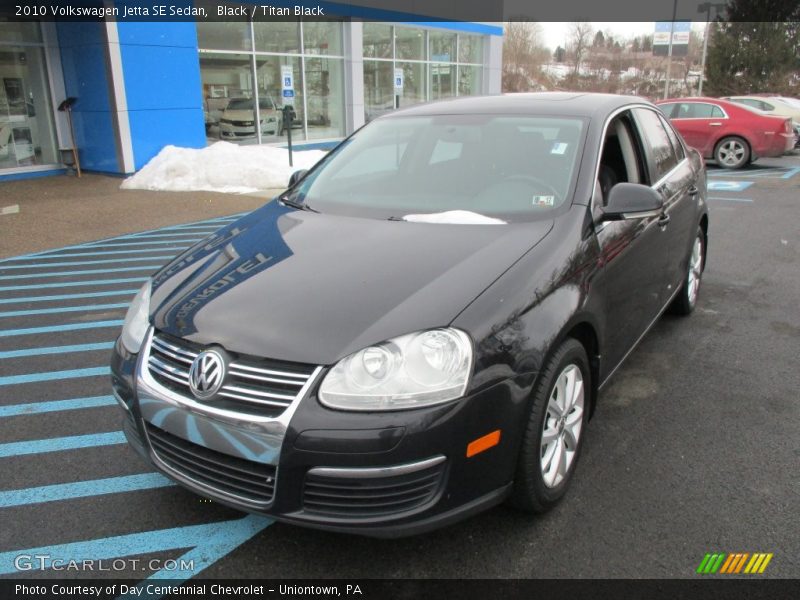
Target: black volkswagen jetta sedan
(420, 326)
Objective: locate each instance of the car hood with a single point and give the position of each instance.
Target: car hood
(247, 115)
(313, 288)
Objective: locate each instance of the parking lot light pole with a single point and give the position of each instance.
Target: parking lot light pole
(669, 52)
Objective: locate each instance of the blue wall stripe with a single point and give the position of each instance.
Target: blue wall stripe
(213, 541)
(72, 273)
(77, 263)
(63, 443)
(13, 288)
(83, 489)
(47, 311)
(35, 408)
(22, 299)
(54, 375)
(57, 328)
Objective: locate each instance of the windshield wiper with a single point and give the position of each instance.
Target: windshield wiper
(294, 204)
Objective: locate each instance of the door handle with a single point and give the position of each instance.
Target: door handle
(715, 124)
(663, 220)
(693, 191)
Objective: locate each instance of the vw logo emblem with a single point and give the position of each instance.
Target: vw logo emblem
(206, 374)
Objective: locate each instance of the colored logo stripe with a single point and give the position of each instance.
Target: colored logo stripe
(734, 563)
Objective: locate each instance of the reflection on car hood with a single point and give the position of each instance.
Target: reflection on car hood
(312, 288)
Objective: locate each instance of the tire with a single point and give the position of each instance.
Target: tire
(732, 153)
(686, 299)
(538, 484)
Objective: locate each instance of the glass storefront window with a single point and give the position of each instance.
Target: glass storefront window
(278, 36)
(377, 40)
(20, 32)
(27, 127)
(410, 43)
(442, 46)
(469, 80)
(413, 84)
(268, 73)
(325, 97)
(224, 36)
(227, 80)
(322, 37)
(378, 88)
(442, 80)
(470, 49)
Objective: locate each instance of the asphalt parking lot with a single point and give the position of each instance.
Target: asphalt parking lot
(694, 447)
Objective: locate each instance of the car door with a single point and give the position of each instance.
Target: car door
(632, 252)
(700, 124)
(675, 179)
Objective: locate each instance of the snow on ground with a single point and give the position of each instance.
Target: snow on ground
(221, 167)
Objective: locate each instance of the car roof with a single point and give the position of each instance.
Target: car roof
(541, 103)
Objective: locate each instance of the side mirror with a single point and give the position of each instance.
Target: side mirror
(297, 176)
(632, 201)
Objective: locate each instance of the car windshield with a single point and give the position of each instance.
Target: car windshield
(511, 167)
(249, 103)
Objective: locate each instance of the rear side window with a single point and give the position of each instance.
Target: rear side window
(695, 110)
(661, 155)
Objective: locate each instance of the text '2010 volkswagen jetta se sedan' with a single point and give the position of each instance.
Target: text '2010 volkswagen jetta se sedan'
(419, 327)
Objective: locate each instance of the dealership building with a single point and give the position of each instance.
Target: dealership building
(140, 86)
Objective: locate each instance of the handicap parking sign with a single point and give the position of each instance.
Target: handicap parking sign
(288, 93)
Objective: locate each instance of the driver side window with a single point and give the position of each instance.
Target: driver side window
(620, 159)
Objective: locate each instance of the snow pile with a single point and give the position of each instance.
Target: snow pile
(455, 217)
(221, 167)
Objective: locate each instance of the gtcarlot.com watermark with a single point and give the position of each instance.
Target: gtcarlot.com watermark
(43, 562)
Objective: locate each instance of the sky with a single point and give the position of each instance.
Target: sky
(556, 34)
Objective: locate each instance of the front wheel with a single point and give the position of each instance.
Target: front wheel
(732, 153)
(686, 299)
(556, 422)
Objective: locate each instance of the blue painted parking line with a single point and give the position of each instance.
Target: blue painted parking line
(176, 235)
(210, 541)
(729, 186)
(791, 173)
(59, 328)
(36, 408)
(54, 375)
(83, 489)
(73, 442)
(15, 288)
(52, 298)
(79, 254)
(56, 350)
(731, 199)
(78, 263)
(154, 243)
(63, 309)
(79, 273)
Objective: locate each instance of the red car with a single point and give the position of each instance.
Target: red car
(732, 134)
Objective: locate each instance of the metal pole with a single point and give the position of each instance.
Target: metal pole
(669, 52)
(705, 51)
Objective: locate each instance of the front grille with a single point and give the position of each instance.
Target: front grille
(259, 387)
(368, 493)
(228, 474)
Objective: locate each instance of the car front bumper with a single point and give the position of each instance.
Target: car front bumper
(386, 474)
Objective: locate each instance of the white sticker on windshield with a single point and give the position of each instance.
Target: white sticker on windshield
(544, 200)
(559, 148)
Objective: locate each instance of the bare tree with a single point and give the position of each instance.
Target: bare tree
(580, 38)
(524, 53)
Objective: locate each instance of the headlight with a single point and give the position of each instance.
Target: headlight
(410, 371)
(135, 327)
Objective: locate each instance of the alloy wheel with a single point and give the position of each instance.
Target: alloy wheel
(562, 426)
(695, 271)
(731, 153)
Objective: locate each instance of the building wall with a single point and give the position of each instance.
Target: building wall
(84, 60)
(162, 91)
